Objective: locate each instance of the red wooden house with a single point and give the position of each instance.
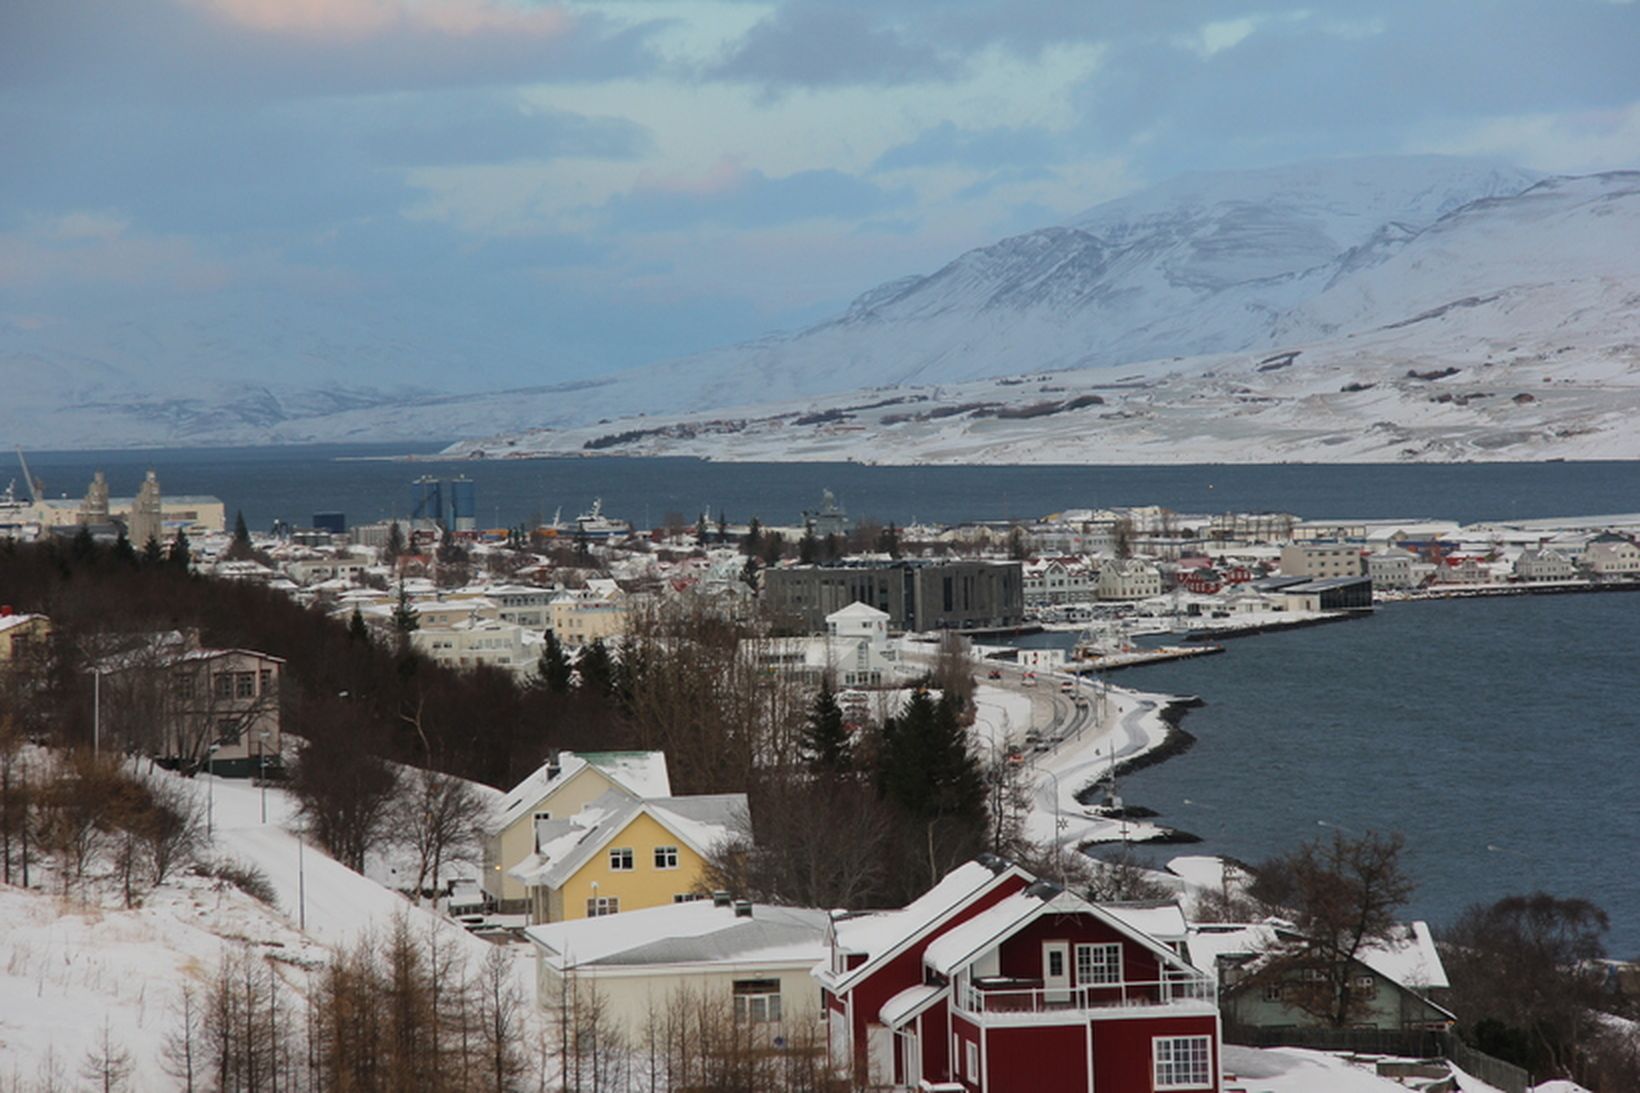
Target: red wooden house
(994, 983)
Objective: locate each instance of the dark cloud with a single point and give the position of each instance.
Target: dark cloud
(813, 44)
(751, 199)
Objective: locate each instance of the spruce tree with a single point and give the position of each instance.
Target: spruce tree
(554, 670)
(825, 740)
(395, 542)
(356, 628)
(180, 554)
(808, 547)
(124, 552)
(152, 553)
(404, 615)
(597, 669)
(925, 764)
(241, 533)
(754, 538)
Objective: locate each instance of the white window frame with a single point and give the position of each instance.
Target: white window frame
(621, 859)
(666, 857)
(1095, 973)
(1175, 1061)
(599, 906)
(973, 1060)
(757, 1001)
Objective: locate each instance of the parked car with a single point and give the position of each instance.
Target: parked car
(994, 673)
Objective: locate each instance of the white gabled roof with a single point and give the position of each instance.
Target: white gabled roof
(858, 610)
(1408, 957)
(640, 773)
(908, 1003)
(966, 943)
(700, 822)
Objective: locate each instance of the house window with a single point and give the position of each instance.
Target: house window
(1098, 964)
(543, 816)
(1272, 992)
(757, 1000)
(599, 906)
(185, 687)
(973, 1061)
(687, 897)
(222, 685)
(244, 685)
(620, 860)
(227, 731)
(1364, 986)
(666, 857)
(264, 680)
(1183, 1062)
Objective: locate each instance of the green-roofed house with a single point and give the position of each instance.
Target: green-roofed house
(558, 789)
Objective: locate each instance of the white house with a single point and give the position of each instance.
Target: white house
(1391, 569)
(476, 642)
(751, 959)
(1611, 556)
(1544, 564)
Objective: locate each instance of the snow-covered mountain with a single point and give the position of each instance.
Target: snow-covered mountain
(1415, 259)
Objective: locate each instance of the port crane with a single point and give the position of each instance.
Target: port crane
(33, 486)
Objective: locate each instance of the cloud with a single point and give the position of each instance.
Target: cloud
(815, 44)
(946, 143)
(486, 128)
(730, 196)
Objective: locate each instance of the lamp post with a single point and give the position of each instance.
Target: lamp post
(210, 788)
(96, 709)
(1059, 825)
(262, 767)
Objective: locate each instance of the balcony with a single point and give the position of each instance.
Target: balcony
(1002, 996)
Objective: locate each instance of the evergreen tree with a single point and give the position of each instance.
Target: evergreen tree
(833, 547)
(888, 541)
(124, 552)
(754, 538)
(925, 764)
(1016, 545)
(180, 554)
(404, 615)
(356, 628)
(825, 739)
(152, 553)
(395, 542)
(722, 526)
(772, 548)
(82, 548)
(241, 533)
(808, 547)
(748, 574)
(597, 669)
(700, 530)
(554, 670)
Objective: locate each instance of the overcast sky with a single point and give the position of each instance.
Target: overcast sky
(585, 186)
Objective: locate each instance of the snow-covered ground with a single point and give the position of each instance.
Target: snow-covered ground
(70, 963)
(1297, 1070)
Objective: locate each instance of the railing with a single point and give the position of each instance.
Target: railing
(1038, 999)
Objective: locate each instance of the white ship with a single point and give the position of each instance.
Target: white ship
(593, 524)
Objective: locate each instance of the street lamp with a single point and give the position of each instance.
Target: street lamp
(262, 766)
(210, 787)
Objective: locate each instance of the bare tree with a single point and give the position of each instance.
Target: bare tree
(1343, 895)
(181, 1047)
(440, 817)
(499, 1006)
(107, 1065)
(343, 794)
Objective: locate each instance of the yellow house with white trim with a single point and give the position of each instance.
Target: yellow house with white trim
(559, 788)
(620, 853)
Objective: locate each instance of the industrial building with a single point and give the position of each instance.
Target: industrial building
(446, 503)
(916, 594)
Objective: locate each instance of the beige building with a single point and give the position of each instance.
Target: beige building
(752, 961)
(1611, 556)
(582, 616)
(1128, 579)
(560, 788)
(474, 643)
(148, 515)
(21, 635)
(1320, 560)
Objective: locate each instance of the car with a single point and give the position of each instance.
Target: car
(1029, 680)
(1066, 686)
(994, 673)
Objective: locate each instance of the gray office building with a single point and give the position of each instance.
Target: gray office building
(918, 595)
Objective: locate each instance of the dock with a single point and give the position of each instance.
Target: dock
(1110, 662)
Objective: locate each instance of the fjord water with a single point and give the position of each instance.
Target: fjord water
(1501, 736)
(1506, 723)
(293, 483)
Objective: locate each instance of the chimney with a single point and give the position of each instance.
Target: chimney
(720, 899)
(554, 768)
(743, 908)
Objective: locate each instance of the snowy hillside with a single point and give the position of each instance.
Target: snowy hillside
(1504, 330)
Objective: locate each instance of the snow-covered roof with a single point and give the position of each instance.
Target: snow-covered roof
(1160, 919)
(640, 773)
(1408, 957)
(857, 610)
(696, 932)
(11, 622)
(875, 934)
(908, 1003)
(700, 822)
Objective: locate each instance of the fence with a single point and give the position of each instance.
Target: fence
(1408, 1043)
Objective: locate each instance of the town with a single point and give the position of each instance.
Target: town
(782, 805)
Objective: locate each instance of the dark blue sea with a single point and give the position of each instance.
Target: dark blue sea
(1501, 736)
(294, 483)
